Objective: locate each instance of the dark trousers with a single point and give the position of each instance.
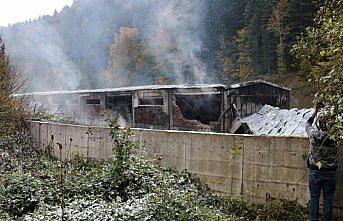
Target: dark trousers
(326, 181)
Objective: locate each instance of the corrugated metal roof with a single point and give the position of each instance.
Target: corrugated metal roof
(249, 83)
(278, 122)
(129, 89)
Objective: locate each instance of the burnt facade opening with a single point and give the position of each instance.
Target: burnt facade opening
(203, 108)
(93, 101)
(119, 107)
(149, 110)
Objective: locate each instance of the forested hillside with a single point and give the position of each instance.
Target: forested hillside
(109, 43)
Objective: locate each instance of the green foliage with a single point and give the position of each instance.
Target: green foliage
(244, 60)
(252, 39)
(223, 19)
(276, 25)
(23, 190)
(279, 210)
(321, 48)
(123, 145)
(261, 43)
(272, 210)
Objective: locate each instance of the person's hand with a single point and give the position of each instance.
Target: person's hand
(319, 106)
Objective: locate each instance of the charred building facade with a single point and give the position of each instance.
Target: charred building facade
(180, 107)
(202, 107)
(249, 97)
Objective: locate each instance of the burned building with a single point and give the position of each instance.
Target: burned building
(201, 107)
(181, 107)
(249, 97)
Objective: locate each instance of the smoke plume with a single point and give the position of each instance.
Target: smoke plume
(177, 28)
(70, 50)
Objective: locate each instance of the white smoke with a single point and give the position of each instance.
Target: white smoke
(178, 27)
(43, 45)
(172, 29)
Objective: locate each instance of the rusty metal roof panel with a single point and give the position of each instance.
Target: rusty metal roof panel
(278, 122)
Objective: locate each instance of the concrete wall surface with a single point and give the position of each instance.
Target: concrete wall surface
(256, 167)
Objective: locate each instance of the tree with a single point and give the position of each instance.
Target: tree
(261, 43)
(130, 62)
(224, 18)
(276, 25)
(300, 15)
(322, 47)
(12, 113)
(243, 65)
(227, 66)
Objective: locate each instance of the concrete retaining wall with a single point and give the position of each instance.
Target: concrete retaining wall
(257, 167)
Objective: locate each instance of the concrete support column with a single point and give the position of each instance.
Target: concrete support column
(134, 104)
(102, 98)
(170, 110)
(224, 105)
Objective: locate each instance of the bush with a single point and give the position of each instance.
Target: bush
(20, 193)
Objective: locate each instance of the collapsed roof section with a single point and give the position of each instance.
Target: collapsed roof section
(274, 121)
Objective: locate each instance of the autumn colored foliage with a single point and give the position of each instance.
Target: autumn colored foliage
(12, 113)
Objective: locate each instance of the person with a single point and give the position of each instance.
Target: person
(322, 163)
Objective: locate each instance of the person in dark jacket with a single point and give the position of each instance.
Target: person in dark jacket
(322, 163)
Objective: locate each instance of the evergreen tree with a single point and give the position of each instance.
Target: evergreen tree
(276, 25)
(243, 64)
(224, 19)
(261, 43)
(300, 15)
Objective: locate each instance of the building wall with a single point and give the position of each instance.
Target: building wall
(250, 99)
(256, 167)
